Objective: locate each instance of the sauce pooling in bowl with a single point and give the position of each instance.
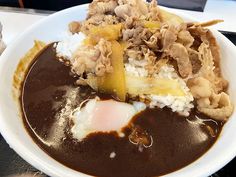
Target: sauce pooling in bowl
(173, 141)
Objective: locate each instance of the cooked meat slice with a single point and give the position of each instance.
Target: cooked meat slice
(99, 19)
(179, 53)
(94, 59)
(207, 69)
(141, 6)
(200, 87)
(185, 38)
(154, 11)
(101, 7)
(129, 33)
(215, 51)
(218, 106)
(197, 31)
(136, 36)
(194, 58)
(123, 11)
(168, 36)
(131, 8)
(153, 42)
(84, 60)
(74, 27)
(104, 62)
(131, 22)
(207, 37)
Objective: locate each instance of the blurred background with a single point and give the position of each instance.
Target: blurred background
(55, 5)
(43, 4)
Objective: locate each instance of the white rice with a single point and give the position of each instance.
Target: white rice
(67, 47)
(180, 104)
(136, 67)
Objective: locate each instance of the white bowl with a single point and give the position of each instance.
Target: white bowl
(52, 29)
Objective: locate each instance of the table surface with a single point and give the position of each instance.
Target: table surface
(10, 162)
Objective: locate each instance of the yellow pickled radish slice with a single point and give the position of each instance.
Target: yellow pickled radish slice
(114, 83)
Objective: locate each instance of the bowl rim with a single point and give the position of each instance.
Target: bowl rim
(33, 159)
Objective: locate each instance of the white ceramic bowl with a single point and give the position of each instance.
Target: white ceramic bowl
(53, 28)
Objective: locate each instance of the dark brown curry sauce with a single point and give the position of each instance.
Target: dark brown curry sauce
(176, 141)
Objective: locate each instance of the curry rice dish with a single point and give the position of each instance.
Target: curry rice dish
(132, 90)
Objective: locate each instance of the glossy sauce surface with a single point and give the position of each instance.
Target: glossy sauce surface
(176, 141)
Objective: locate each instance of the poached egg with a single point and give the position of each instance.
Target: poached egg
(103, 116)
